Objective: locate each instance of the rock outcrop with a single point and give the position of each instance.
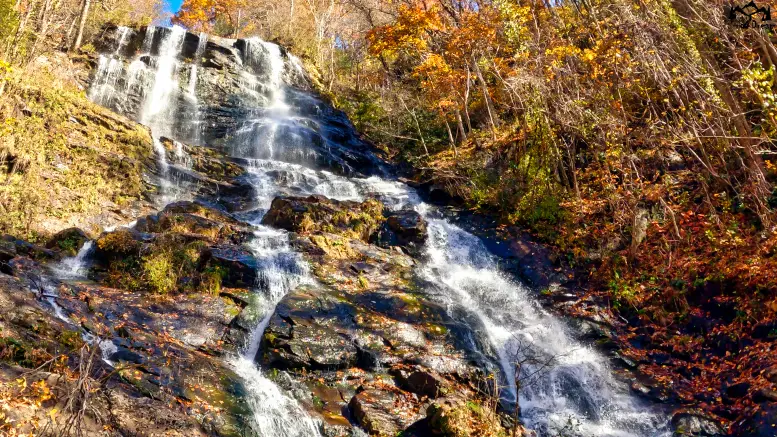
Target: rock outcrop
(225, 101)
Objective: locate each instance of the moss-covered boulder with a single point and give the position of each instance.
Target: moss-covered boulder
(457, 416)
(68, 242)
(318, 213)
(196, 219)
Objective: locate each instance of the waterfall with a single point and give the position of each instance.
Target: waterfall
(157, 111)
(567, 387)
(110, 69)
(192, 88)
(77, 266)
(281, 270)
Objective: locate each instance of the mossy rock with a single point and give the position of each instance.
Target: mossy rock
(68, 242)
(320, 214)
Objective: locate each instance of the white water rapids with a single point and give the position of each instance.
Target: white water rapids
(570, 389)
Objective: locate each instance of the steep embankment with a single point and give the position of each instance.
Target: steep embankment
(65, 161)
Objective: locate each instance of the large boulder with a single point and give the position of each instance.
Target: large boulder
(689, 423)
(421, 381)
(196, 219)
(237, 266)
(309, 329)
(318, 213)
(406, 229)
(11, 247)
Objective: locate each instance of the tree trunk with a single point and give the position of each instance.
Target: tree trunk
(460, 124)
(486, 96)
(237, 25)
(43, 29)
(81, 25)
(450, 136)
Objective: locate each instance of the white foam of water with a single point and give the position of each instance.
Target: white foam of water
(570, 383)
(148, 40)
(275, 414)
(75, 267)
(165, 80)
(192, 88)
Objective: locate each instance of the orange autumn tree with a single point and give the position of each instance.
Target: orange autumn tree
(456, 60)
(215, 16)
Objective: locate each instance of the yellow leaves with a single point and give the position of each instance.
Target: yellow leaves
(408, 32)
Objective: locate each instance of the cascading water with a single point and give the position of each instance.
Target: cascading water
(567, 387)
(77, 266)
(109, 71)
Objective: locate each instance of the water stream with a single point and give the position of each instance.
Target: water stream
(569, 388)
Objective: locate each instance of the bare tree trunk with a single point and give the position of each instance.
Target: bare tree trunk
(81, 25)
(466, 101)
(417, 125)
(486, 96)
(450, 136)
(237, 25)
(69, 35)
(460, 124)
(43, 29)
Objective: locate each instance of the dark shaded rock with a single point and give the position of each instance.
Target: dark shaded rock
(766, 330)
(238, 265)
(765, 395)
(11, 247)
(695, 424)
(738, 391)
(761, 424)
(422, 382)
(68, 241)
(406, 229)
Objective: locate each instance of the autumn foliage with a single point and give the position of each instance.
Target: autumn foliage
(635, 136)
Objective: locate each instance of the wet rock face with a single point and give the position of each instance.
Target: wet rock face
(233, 88)
(376, 411)
(309, 330)
(362, 330)
(406, 229)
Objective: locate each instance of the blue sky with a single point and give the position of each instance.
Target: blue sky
(172, 5)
